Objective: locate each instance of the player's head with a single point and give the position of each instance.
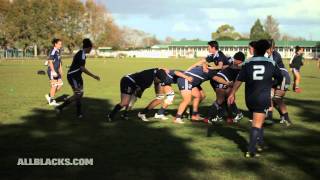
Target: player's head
(160, 76)
(57, 43)
(272, 45)
(87, 45)
(261, 47)
(213, 46)
(251, 47)
(298, 50)
(239, 57)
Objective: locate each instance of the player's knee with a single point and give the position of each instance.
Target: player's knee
(169, 98)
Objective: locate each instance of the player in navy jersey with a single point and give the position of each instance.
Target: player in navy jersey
(164, 94)
(54, 71)
(198, 77)
(257, 73)
(132, 87)
(278, 92)
(229, 74)
(75, 79)
(295, 64)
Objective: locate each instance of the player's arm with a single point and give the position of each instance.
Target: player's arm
(182, 75)
(86, 71)
(232, 95)
(219, 66)
(221, 80)
(202, 62)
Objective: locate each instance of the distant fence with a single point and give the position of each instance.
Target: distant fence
(16, 53)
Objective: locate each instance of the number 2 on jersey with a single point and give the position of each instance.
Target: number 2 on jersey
(258, 71)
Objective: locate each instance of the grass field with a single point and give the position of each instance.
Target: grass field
(133, 149)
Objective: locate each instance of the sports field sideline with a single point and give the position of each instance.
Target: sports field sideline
(153, 150)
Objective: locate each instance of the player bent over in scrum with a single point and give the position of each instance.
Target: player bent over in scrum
(198, 76)
(257, 73)
(229, 74)
(54, 71)
(75, 78)
(133, 86)
(165, 94)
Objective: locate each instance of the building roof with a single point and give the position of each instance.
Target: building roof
(236, 43)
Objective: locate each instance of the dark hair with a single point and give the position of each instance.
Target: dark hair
(55, 41)
(261, 47)
(272, 43)
(297, 48)
(214, 44)
(239, 56)
(252, 43)
(86, 43)
(161, 75)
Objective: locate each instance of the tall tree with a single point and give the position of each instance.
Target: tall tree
(271, 26)
(257, 32)
(226, 32)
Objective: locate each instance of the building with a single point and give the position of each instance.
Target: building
(192, 49)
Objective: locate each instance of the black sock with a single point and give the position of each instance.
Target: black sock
(269, 115)
(115, 110)
(221, 110)
(161, 111)
(145, 111)
(213, 110)
(286, 117)
(190, 111)
(178, 116)
(79, 111)
(260, 138)
(234, 110)
(254, 134)
(194, 113)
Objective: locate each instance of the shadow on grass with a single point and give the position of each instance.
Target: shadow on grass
(121, 150)
(309, 110)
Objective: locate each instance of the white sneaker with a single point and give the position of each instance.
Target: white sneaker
(178, 121)
(47, 98)
(54, 103)
(238, 117)
(160, 116)
(143, 117)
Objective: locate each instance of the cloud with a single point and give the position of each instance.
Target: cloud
(194, 18)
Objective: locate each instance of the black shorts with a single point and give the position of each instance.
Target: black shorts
(215, 85)
(260, 103)
(184, 84)
(75, 82)
(127, 86)
(51, 76)
(285, 84)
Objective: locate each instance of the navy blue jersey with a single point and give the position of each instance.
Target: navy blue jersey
(277, 59)
(297, 62)
(144, 79)
(217, 57)
(171, 77)
(79, 60)
(258, 74)
(229, 73)
(199, 76)
(55, 57)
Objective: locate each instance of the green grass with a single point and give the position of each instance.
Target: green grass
(136, 150)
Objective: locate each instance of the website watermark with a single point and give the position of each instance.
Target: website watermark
(55, 162)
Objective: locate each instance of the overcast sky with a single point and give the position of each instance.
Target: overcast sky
(198, 18)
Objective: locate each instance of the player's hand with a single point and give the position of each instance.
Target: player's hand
(231, 99)
(97, 78)
(230, 84)
(189, 78)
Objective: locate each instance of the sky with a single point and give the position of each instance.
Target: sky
(192, 19)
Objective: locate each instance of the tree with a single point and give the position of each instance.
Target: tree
(271, 26)
(226, 32)
(257, 32)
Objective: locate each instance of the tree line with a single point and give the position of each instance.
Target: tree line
(269, 29)
(34, 23)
